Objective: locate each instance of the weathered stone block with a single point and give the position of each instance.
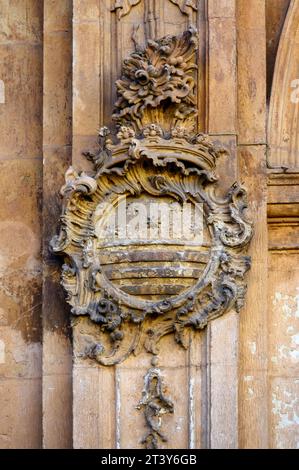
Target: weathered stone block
(21, 115)
(21, 20)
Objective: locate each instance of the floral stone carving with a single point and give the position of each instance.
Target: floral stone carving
(157, 84)
(139, 288)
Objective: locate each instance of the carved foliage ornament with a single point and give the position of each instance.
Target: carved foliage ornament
(138, 289)
(155, 404)
(157, 84)
(123, 7)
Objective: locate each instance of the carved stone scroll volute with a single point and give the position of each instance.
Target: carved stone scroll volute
(138, 289)
(123, 7)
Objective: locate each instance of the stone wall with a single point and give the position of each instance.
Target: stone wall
(21, 162)
(59, 60)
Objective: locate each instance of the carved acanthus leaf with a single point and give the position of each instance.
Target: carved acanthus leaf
(186, 6)
(157, 84)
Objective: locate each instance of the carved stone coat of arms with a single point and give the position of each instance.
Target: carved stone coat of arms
(150, 248)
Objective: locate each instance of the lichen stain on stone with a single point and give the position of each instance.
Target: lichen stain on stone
(285, 352)
(252, 347)
(19, 246)
(21, 303)
(285, 408)
(288, 304)
(287, 311)
(20, 280)
(248, 378)
(57, 312)
(250, 392)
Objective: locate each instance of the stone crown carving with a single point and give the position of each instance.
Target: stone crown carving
(139, 292)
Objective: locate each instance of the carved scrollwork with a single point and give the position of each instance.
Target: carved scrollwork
(155, 404)
(123, 7)
(178, 167)
(137, 290)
